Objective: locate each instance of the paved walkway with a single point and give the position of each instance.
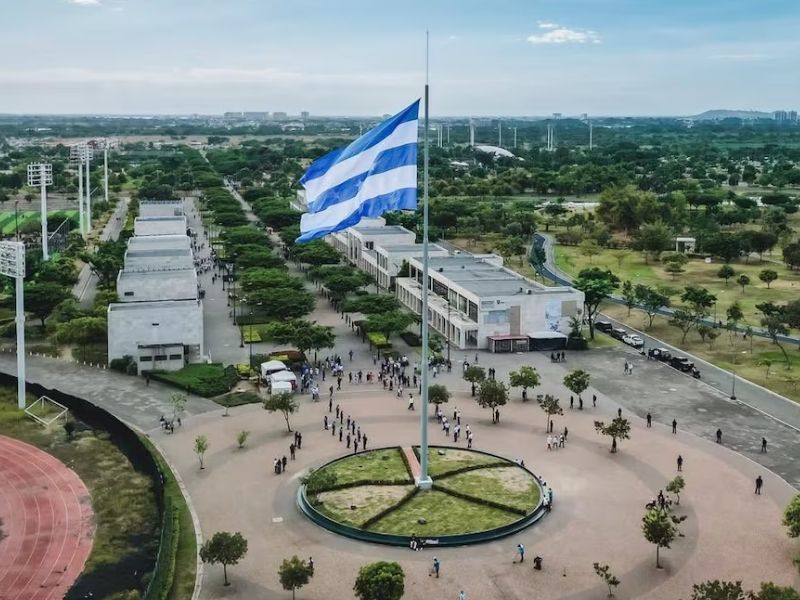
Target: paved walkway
(48, 525)
(413, 463)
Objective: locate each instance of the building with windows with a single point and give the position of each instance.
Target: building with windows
(477, 303)
(162, 225)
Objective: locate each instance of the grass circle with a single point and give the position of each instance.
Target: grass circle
(371, 496)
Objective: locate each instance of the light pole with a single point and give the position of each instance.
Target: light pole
(733, 372)
(89, 156)
(77, 154)
(447, 337)
(41, 174)
(106, 145)
(12, 264)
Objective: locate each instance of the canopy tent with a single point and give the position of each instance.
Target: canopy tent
(282, 386)
(272, 366)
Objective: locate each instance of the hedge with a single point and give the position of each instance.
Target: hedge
(411, 338)
(164, 572)
(202, 379)
(378, 340)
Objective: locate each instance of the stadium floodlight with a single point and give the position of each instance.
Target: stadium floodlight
(106, 146)
(88, 212)
(12, 264)
(78, 154)
(41, 174)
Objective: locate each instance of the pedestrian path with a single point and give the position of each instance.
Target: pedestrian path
(413, 463)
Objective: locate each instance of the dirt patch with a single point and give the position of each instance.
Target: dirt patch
(512, 478)
(355, 505)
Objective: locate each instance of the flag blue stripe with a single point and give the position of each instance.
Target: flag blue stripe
(402, 199)
(387, 160)
(369, 139)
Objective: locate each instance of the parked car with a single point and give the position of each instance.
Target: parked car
(681, 363)
(618, 333)
(604, 326)
(633, 340)
(661, 354)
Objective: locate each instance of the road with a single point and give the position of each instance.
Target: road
(86, 287)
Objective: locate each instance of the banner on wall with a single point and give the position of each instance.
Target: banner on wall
(552, 314)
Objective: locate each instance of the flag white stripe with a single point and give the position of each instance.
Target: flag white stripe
(377, 185)
(405, 133)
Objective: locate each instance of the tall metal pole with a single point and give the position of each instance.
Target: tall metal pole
(81, 217)
(20, 320)
(590, 135)
(105, 170)
(88, 193)
(425, 481)
(500, 134)
(43, 188)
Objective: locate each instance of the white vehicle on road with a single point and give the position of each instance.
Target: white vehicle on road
(633, 340)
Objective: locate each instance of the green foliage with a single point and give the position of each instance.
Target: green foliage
(525, 377)
(659, 528)
(438, 394)
(281, 302)
(294, 574)
(285, 403)
(380, 581)
(596, 285)
(618, 429)
(651, 300)
(303, 335)
(200, 448)
(205, 380)
(371, 304)
(726, 272)
(729, 590)
(106, 262)
(224, 548)
(604, 573)
(319, 480)
(241, 438)
(550, 405)
(768, 276)
(743, 280)
(42, 298)
(388, 323)
(491, 394)
(121, 365)
(315, 253)
(791, 517)
(577, 381)
(474, 374)
(676, 487)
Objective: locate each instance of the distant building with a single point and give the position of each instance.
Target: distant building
(304, 115)
(160, 208)
(785, 116)
(256, 115)
(496, 151)
(685, 244)
(278, 116)
(293, 126)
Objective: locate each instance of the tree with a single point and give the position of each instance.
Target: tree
(525, 377)
(316, 253)
(225, 549)
(371, 304)
(549, 404)
(389, 323)
(42, 298)
(724, 245)
(177, 402)
(604, 573)
(791, 255)
(491, 394)
(589, 248)
(726, 272)
(674, 268)
(734, 313)
(200, 448)
(676, 487)
(512, 246)
(629, 295)
(474, 374)
(768, 276)
(577, 381)
(295, 573)
(791, 516)
(596, 285)
(82, 331)
(284, 403)
(620, 256)
(618, 429)
(106, 261)
(729, 590)
(651, 300)
(774, 321)
(303, 335)
(380, 581)
(257, 279)
(438, 394)
(241, 437)
(659, 529)
(654, 238)
(697, 303)
(281, 302)
(743, 280)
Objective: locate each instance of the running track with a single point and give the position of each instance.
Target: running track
(47, 521)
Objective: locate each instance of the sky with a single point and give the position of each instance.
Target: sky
(367, 57)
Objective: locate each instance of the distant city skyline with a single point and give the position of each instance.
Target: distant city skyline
(356, 57)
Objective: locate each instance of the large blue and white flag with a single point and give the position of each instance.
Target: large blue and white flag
(375, 174)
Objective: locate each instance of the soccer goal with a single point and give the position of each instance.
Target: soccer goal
(46, 411)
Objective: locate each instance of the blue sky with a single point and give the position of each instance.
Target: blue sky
(345, 57)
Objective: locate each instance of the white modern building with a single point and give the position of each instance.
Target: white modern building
(475, 302)
(152, 286)
(163, 242)
(175, 225)
(160, 208)
(158, 259)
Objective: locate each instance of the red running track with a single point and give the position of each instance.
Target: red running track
(47, 521)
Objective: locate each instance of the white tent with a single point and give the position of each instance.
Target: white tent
(281, 386)
(287, 376)
(272, 366)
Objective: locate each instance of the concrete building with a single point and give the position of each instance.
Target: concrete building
(160, 208)
(476, 303)
(158, 259)
(161, 335)
(153, 286)
(150, 242)
(173, 225)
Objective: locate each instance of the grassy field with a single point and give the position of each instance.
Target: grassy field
(445, 515)
(387, 464)
(452, 459)
(635, 269)
(123, 500)
(353, 506)
(511, 486)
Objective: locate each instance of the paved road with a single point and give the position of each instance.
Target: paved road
(86, 287)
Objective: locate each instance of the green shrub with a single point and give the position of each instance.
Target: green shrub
(411, 338)
(202, 379)
(122, 365)
(164, 572)
(378, 340)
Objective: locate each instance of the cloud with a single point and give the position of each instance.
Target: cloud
(555, 34)
(741, 57)
(84, 2)
(546, 25)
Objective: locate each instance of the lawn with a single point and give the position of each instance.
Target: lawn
(238, 399)
(353, 506)
(511, 486)
(202, 379)
(126, 515)
(445, 515)
(385, 464)
(453, 458)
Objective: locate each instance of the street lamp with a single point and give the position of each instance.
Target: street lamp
(78, 154)
(447, 337)
(12, 264)
(733, 372)
(41, 174)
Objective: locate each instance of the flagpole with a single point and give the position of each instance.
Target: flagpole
(424, 481)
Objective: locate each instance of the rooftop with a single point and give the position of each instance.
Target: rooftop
(149, 286)
(158, 305)
(408, 248)
(382, 230)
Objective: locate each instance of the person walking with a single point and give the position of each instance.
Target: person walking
(462, 595)
(649, 420)
(571, 402)
(341, 431)
(411, 402)
(355, 446)
(759, 483)
(680, 463)
(594, 400)
(764, 445)
(674, 426)
(719, 436)
(348, 439)
(521, 553)
(291, 450)
(436, 566)
(364, 441)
